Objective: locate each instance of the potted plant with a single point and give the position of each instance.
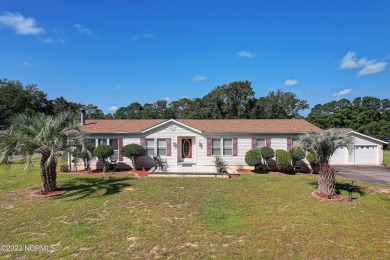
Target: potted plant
(220, 164)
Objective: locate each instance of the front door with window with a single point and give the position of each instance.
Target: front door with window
(186, 149)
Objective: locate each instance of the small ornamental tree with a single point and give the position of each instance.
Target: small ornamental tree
(313, 160)
(253, 158)
(296, 154)
(84, 155)
(267, 153)
(102, 152)
(324, 144)
(133, 151)
(283, 160)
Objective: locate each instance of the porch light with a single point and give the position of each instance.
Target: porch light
(200, 144)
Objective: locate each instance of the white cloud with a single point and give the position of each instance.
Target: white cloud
(113, 108)
(290, 82)
(82, 29)
(372, 68)
(350, 61)
(199, 77)
(245, 54)
(21, 24)
(343, 92)
(167, 99)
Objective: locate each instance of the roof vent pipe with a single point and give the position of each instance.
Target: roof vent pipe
(82, 116)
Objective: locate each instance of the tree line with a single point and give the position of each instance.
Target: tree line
(235, 100)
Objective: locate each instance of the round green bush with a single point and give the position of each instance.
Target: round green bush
(103, 151)
(283, 160)
(267, 153)
(296, 154)
(253, 157)
(133, 151)
(312, 158)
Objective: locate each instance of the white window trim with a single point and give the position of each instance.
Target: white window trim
(222, 147)
(159, 147)
(257, 142)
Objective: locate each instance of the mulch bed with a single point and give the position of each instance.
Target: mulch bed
(39, 194)
(321, 196)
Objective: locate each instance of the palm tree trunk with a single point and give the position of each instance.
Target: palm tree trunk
(48, 175)
(327, 180)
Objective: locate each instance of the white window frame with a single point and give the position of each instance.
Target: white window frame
(224, 147)
(257, 142)
(149, 147)
(221, 147)
(161, 147)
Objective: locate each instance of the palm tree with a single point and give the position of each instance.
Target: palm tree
(50, 136)
(324, 144)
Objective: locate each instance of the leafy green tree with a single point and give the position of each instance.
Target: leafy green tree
(367, 115)
(103, 152)
(18, 99)
(296, 154)
(60, 104)
(283, 160)
(253, 158)
(93, 112)
(324, 144)
(267, 153)
(43, 134)
(133, 151)
(278, 105)
(234, 100)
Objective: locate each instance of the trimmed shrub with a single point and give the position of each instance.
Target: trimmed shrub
(312, 157)
(296, 154)
(283, 160)
(267, 153)
(64, 168)
(253, 158)
(313, 160)
(102, 152)
(133, 151)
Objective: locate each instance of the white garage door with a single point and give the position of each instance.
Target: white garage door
(339, 156)
(365, 154)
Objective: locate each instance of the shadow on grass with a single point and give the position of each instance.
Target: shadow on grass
(80, 188)
(344, 187)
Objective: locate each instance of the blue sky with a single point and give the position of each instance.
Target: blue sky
(113, 53)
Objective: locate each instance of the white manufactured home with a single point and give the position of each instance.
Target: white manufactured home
(187, 143)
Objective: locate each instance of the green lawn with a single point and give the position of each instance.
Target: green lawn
(257, 216)
(386, 157)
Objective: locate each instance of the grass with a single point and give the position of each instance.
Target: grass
(386, 157)
(257, 216)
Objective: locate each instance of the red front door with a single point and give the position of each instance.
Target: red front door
(186, 148)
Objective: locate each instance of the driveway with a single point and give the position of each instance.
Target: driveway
(372, 174)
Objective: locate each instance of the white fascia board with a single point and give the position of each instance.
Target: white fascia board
(170, 121)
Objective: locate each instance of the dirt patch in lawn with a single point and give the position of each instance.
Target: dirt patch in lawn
(39, 194)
